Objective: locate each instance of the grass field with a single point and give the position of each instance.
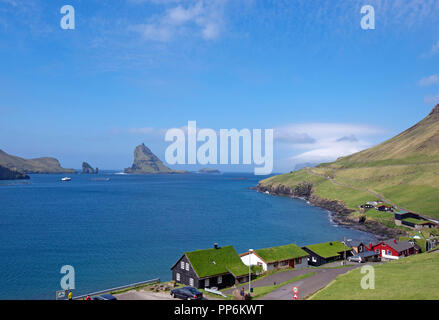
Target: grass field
(411, 278)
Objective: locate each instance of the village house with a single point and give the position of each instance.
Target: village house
(356, 245)
(384, 208)
(322, 253)
(287, 256)
(412, 220)
(218, 267)
(393, 249)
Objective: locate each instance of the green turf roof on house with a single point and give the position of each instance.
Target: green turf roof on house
(326, 250)
(416, 221)
(281, 253)
(211, 262)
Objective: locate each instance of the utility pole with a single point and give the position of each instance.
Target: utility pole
(250, 251)
(344, 247)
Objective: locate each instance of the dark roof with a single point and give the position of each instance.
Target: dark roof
(366, 254)
(353, 243)
(399, 245)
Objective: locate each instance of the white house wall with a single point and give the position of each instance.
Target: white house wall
(254, 260)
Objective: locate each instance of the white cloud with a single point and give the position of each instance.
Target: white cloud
(427, 81)
(322, 142)
(201, 18)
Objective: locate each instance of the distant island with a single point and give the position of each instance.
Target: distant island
(209, 171)
(8, 174)
(146, 162)
(88, 169)
(28, 166)
(402, 173)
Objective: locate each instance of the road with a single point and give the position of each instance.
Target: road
(308, 285)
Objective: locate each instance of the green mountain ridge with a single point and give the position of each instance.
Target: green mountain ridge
(402, 171)
(37, 165)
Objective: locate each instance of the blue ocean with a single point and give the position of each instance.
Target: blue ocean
(134, 227)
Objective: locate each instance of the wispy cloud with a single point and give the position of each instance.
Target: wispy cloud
(432, 99)
(200, 18)
(427, 81)
(433, 51)
(320, 142)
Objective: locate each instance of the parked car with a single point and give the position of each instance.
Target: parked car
(187, 293)
(356, 259)
(104, 297)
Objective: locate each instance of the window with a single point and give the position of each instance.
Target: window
(177, 276)
(182, 265)
(187, 266)
(377, 251)
(314, 259)
(191, 282)
(220, 279)
(389, 253)
(206, 283)
(299, 260)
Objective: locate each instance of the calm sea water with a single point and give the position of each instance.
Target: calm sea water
(134, 228)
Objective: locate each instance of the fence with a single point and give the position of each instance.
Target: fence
(133, 285)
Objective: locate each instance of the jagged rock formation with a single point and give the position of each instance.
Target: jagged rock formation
(146, 162)
(88, 169)
(8, 174)
(38, 165)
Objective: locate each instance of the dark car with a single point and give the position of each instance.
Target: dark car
(187, 293)
(104, 297)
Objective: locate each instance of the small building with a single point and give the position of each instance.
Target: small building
(356, 245)
(322, 253)
(369, 256)
(218, 267)
(413, 220)
(287, 256)
(384, 207)
(393, 249)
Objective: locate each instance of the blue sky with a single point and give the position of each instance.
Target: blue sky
(132, 69)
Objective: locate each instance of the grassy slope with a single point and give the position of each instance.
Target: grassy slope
(403, 170)
(393, 280)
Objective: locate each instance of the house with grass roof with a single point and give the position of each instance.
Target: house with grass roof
(413, 220)
(327, 252)
(287, 256)
(218, 267)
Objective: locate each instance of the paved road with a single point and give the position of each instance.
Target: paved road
(274, 279)
(308, 285)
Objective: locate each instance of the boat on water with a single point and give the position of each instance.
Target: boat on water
(66, 179)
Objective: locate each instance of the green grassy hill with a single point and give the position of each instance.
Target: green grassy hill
(403, 171)
(38, 165)
(400, 280)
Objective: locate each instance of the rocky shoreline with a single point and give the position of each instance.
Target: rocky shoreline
(340, 215)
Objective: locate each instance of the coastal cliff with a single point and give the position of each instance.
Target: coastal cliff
(7, 174)
(340, 214)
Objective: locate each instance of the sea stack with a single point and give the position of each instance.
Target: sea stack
(88, 169)
(146, 162)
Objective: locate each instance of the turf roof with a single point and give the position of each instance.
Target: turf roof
(211, 262)
(281, 253)
(326, 250)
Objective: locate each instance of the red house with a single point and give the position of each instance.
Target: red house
(393, 249)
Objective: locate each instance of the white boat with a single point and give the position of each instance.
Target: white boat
(66, 179)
